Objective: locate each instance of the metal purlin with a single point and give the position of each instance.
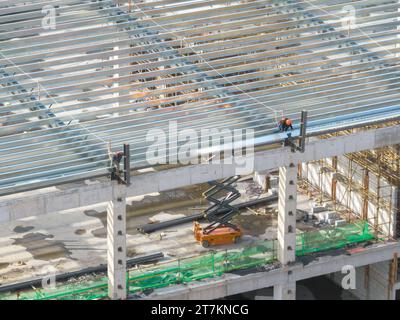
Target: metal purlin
(229, 34)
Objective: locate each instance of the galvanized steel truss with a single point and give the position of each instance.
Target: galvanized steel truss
(112, 70)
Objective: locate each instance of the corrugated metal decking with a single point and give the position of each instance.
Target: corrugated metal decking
(109, 74)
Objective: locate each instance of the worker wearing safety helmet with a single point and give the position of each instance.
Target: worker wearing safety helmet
(282, 124)
(285, 124)
(288, 124)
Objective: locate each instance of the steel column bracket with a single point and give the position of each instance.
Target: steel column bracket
(289, 141)
(122, 176)
(127, 165)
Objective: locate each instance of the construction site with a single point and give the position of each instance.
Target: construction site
(199, 150)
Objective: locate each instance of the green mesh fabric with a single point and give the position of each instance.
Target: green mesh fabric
(332, 238)
(201, 267)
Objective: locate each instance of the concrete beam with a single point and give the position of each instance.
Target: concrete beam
(230, 284)
(50, 200)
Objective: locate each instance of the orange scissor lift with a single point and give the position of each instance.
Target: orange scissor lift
(220, 231)
(219, 236)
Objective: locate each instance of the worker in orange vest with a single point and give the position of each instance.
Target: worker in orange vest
(285, 124)
(282, 124)
(288, 124)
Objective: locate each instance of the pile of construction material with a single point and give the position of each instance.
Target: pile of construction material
(323, 215)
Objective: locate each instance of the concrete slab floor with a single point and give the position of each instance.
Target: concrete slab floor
(75, 239)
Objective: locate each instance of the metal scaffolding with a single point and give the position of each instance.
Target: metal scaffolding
(373, 174)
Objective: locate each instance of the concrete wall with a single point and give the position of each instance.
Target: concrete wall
(353, 197)
(372, 282)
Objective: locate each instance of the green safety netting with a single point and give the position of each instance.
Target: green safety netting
(85, 290)
(332, 238)
(207, 265)
(201, 267)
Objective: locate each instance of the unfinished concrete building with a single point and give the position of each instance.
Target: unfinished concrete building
(103, 165)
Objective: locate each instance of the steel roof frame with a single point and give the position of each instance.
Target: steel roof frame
(189, 59)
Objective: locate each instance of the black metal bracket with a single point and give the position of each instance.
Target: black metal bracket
(122, 176)
(290, 141)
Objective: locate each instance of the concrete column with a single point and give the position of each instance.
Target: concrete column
(285, 291)
(334, 179)
(365, 197)
(287, 214)
(396, 197)
(116, 243)
(396, 212)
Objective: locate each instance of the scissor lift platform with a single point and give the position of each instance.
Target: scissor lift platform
(218, 236)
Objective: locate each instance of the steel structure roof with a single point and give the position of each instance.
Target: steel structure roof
(112, 70)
